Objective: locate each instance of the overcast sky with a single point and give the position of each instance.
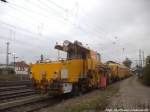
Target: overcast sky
(108, 26)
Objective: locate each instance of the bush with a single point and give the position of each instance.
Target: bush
(146, 75)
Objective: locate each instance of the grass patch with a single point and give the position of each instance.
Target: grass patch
(5, 77)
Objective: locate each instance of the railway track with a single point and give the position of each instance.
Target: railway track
(12, 87)
(34, 105)
(10, 90)
(14, 83)
(30, 103)
(9, 97)
(21, 97)
(17, 96)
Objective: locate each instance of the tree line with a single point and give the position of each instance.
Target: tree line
(146, 73)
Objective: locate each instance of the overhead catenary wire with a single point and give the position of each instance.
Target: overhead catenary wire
(98, 29)
(23, 12)
(72, 23)
(21, 29)
(57, 5)
(53, 9)
(19, 42)
(28, 11)
(32, 18)
(87, 25)
(81, 28)
(37, 13)
(77, 26)
(34, 12)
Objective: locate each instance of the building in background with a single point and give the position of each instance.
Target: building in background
(21, 68)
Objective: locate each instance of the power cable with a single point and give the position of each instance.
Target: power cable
(68, 20)
(75, 25)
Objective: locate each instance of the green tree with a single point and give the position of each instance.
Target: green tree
(146, 74)
(127, 62)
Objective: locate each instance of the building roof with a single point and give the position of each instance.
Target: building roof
(21, 64)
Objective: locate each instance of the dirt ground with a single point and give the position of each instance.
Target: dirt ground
(126, 94)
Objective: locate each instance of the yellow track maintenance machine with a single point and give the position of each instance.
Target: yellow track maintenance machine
(79, 72)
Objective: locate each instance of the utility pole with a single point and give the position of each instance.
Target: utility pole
(58, 53)
(42, 58)
(140, 58)
(14, 60)
(123, 53)
(143, 59)
(7, 54)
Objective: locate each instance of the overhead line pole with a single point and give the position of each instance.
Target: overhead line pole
(7, 54)
(14, 57)
(143, 58)
(140, 57)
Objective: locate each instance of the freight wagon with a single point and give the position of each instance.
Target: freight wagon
(118, 71)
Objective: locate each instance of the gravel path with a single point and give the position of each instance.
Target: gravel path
(132, 95)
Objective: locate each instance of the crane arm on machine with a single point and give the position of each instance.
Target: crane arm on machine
(74, 50)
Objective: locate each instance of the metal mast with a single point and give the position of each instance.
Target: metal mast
(7, 54)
